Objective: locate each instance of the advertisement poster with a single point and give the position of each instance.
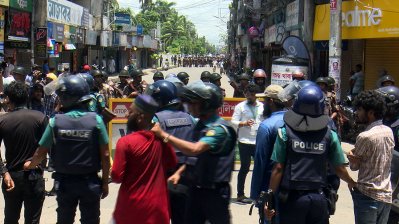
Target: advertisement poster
(19, 26)
(116, 131)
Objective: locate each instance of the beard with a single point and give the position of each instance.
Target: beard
(267, 112)
(132, 125)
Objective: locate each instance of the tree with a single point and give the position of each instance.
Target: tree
(179, 35)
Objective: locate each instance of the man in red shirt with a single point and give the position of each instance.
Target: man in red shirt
(140, 164)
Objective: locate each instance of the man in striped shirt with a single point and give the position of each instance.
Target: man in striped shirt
(372, 155)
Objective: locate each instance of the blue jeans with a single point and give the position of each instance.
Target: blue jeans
(368, 210)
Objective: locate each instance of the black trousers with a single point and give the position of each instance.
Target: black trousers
(304, 208)
(209, 205)
(72, 191)
(246, 152)
(29, 191)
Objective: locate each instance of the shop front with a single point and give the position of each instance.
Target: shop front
(66, 24)
(18, 32)
(370, 31)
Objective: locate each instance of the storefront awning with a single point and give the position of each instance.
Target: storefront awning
(69, 47)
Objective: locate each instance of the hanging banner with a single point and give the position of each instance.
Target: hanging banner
(18, 28)
(66, 12)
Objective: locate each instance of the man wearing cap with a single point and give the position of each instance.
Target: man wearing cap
(305, 145)
(140, 164)
(246, 117)
(273, 112)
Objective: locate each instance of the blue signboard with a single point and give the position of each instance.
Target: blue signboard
(139, 29)
(122, 18)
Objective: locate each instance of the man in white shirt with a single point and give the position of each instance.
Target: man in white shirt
(357, 81)
(111, 66)
(247, 117)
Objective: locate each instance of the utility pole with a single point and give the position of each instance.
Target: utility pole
(335, 49)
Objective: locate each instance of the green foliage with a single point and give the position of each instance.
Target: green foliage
(178, 34)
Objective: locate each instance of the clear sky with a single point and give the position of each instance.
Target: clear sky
(209, 16)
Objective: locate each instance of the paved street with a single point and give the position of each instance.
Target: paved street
(239, 212)
(344, 213)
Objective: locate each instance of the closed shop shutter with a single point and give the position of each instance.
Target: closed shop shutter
(380, 54)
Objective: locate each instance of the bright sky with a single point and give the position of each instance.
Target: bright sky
(209, 16)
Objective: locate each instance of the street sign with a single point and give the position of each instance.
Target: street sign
(120, 107)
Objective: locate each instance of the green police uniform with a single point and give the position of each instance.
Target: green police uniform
(47, 139)
(336, 155)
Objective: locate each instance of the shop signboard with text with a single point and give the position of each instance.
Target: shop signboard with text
(360, 20)
(66, 12)
(24, 5)
(19, 26)
(5, 2)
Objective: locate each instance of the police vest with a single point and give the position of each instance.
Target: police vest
(214, 168)
(76, 149)
(307, 159)
(180, 125)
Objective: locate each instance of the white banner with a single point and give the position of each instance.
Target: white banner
(282, 74)
(65, 12)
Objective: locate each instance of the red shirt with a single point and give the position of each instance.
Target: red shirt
(140, 164)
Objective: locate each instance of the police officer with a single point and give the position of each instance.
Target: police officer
(135, 87)
(391, 119)
(304, 146)
(243, 80)
(260, 77)
(205, 76)
(80, 150)
(97, 102)
(184, 77)
(123, 76)
(215, 79)
(386, 80)
(180, 125)
(158, 76)
(214, 144)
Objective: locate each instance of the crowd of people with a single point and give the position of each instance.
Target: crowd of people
(176, 162)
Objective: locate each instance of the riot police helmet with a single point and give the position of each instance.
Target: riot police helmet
(291, 90)
(158, 75)
(205, 76)
(310, 101)
(123, 73)
(322, 80)
(136, 73)
(164, 92)
(214, 77)
(104, 74)
(259, 73)
(95, 72)
(19, 70)
(244, 76)
(391, 94)
(387, 80)
(207, 94)
(183, 76)
(72, 90)
(330, 81)
(88, 78)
